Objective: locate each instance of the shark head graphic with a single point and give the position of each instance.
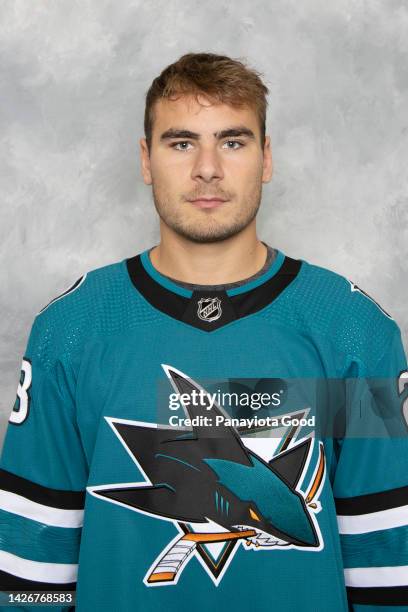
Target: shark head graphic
(258, 496)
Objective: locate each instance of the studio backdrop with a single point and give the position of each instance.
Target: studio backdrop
(73, 80)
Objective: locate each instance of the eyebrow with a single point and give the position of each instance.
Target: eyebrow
(239, 130)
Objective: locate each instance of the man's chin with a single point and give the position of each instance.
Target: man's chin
(206, 236)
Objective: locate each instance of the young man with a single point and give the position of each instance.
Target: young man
(126, 473)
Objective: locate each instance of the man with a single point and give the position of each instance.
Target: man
(125, 472)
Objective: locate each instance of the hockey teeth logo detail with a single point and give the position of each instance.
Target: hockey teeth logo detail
(222, 494)
(209, 309)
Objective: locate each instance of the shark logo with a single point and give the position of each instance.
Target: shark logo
(217, 491)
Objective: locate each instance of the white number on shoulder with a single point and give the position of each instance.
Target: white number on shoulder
(402, 385)
(22, 403)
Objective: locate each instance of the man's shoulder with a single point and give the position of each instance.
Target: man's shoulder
(341, 295)
(93, 303)
(336, 307)
(88, 290)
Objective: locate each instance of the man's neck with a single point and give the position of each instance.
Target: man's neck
(225, 286)
(212, 263)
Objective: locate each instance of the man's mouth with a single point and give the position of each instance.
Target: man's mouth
(208, 202)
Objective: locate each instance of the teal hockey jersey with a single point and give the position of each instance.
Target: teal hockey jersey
(173, 450)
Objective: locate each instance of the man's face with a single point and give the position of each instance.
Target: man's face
(211, 151)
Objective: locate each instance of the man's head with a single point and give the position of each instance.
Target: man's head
(205, 138)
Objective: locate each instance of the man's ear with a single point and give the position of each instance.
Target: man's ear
(267, 161)
(145, 162)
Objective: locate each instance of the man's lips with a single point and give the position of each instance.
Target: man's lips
(207, 202)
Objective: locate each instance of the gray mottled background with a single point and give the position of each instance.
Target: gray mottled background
(73, 77)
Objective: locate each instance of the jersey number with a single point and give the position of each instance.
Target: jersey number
(402, 385)
(22, 403)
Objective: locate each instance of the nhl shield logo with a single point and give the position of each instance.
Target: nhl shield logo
(209, 309)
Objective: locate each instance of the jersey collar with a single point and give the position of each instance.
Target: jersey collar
(209, 310)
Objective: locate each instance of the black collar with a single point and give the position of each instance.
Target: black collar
(210, 310)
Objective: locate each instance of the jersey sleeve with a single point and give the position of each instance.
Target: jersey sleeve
(371, 485)
(43, 473)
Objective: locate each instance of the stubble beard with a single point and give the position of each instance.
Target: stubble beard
(210, 230)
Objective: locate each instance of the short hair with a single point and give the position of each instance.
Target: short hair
(218, 77)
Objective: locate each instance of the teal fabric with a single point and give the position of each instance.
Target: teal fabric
(97, 355)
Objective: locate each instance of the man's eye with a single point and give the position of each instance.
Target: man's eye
(176, 144)
(182, 145)
(238, 142)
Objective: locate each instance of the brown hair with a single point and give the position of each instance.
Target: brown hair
(220, 78)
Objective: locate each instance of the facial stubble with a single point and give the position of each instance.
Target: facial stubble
(205, 228)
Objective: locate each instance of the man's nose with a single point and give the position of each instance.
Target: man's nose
(207, 165)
